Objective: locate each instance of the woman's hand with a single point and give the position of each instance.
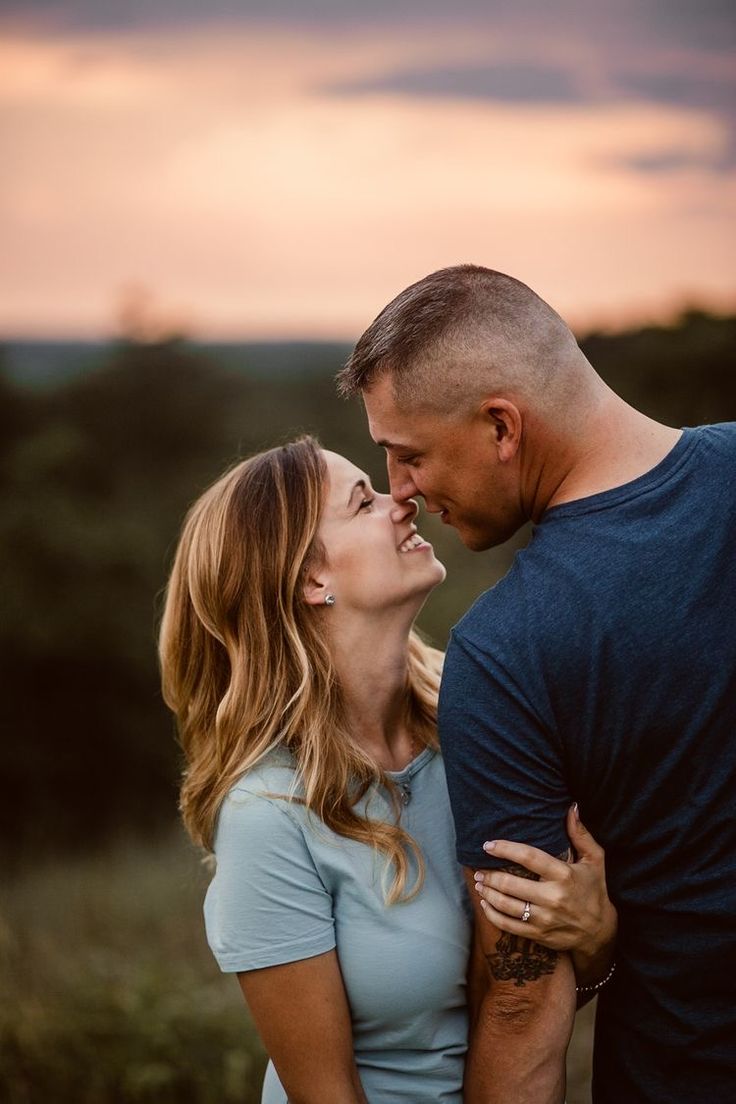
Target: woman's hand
(568, 909)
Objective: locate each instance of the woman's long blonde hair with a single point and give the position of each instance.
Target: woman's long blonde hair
(245, 665)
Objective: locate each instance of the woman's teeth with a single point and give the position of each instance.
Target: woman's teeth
(411, 542)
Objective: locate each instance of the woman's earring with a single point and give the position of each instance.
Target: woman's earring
(329, 599)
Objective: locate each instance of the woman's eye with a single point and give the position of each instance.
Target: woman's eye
(366, 504)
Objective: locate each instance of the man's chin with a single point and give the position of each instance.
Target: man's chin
(475, 541)
(479, 540)
(480, 544)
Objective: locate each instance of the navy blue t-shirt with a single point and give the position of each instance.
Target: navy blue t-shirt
(602, 669)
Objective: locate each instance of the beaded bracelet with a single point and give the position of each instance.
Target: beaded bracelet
(598, 985)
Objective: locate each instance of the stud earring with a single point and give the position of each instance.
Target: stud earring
(329, 599)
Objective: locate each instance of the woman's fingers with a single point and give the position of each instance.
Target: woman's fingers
(531, 858)
(513, 887)
(566, 908)
(509, 906)
(506, 913)
(581, 839)
(503, 922)
(527, 929)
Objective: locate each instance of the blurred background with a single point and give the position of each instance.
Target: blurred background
(201, 208)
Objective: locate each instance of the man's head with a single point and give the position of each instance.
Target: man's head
(458, 373)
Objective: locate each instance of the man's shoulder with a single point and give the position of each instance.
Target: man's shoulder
(719, 438)
(488, 610)
(517, 605)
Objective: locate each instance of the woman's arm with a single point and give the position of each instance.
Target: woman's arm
(302, 1015)
(569, 907)
(270, 920)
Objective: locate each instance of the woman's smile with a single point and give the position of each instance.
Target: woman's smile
(414, 543)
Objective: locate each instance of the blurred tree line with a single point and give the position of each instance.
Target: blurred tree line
(96, 473)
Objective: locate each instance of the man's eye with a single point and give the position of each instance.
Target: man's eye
(410, 461)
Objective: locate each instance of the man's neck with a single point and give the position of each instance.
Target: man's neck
(615, 445)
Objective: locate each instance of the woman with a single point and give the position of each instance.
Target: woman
(306, 706)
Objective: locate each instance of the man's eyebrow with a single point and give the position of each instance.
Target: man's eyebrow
(390, 445)
(360, 484)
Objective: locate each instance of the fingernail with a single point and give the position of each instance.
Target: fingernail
(478, 887)
(483, 904)
(489, 845)
(576, 812)
(478, 875)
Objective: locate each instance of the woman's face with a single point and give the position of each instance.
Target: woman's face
(375, 557)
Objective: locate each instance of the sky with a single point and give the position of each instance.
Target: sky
(282, 168)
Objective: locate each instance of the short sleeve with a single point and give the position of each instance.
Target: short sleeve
(267, 904)
(504, 768)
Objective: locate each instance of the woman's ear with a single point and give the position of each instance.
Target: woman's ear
(316, 589)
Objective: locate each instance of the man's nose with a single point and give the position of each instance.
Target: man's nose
(401, 484)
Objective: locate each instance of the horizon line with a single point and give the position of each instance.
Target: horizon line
(664, 319)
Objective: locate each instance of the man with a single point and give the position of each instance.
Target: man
(602, 668)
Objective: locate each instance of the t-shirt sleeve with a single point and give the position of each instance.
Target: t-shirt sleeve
(504, 766)
(267, 903)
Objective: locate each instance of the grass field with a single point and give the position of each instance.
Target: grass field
(111, 995)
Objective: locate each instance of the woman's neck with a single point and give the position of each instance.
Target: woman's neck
(371, 660)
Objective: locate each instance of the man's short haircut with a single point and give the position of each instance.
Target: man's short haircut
(459, 321)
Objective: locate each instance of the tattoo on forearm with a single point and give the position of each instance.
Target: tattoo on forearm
(517, 959)
(520, 960)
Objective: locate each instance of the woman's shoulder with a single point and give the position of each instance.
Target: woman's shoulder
(262, 796)
(267, 903)
(274, 774)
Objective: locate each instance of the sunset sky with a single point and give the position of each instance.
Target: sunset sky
(283, 168)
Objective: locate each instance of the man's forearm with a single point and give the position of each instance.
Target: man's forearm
(518, 1046)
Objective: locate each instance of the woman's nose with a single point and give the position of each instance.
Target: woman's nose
(403, 511)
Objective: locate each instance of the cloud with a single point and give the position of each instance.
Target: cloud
(704, 24)
(677, 160)
(695, 24)
(691, 83)
(711, 92)
(121, 15)
(211, 165)
(701, 89)
(511, 82)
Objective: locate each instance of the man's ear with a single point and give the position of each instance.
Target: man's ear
(316, 588)
(505, 421)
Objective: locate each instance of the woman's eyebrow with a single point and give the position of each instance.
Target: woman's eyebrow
(360, 484)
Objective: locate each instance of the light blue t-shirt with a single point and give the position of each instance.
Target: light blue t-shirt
(286, 888)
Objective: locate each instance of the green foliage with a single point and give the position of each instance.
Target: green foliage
(96, 474)
(110, 993)
(683, 375)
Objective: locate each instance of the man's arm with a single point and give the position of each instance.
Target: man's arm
(522, 998)
(570, 907)
(506, 782)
